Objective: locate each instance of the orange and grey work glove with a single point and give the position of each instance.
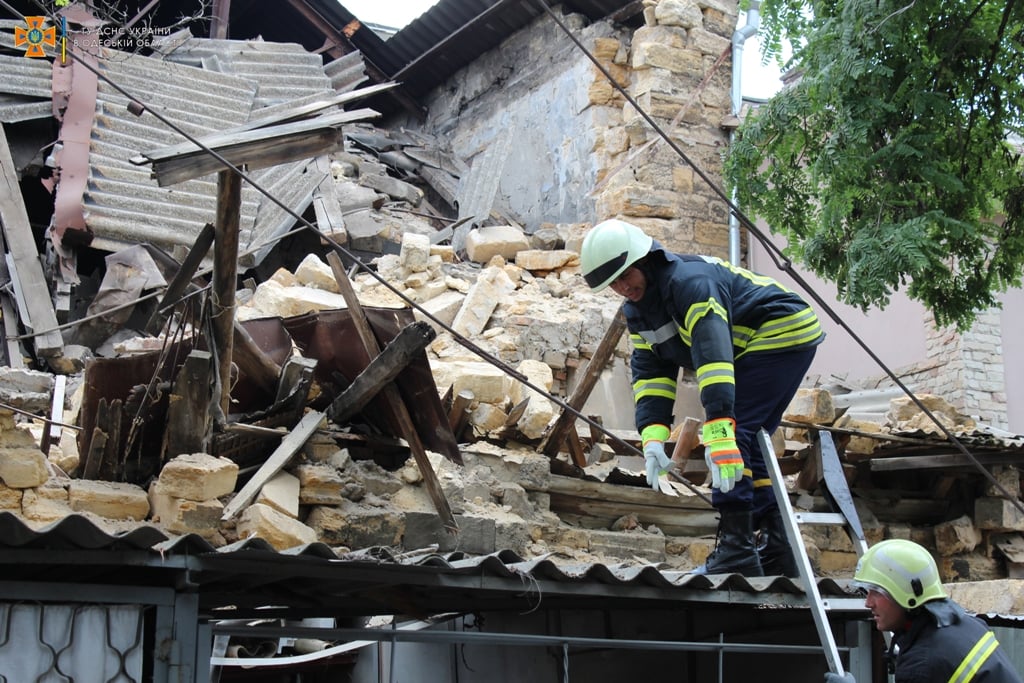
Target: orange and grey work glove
(721, 453)
(655, 460)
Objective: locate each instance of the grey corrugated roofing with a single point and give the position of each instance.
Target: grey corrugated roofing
(124, 205)
(243, 578)
(25, 91)
(283, 72)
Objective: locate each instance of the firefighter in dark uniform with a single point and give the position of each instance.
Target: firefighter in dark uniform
(933, 639)
(749, 340)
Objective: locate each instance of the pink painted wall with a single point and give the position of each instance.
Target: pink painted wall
(896, 335)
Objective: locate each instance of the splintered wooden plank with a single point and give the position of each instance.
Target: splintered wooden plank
(288, 447)
(390, 392)
(26, 270)
(411, 340)
(567, 420)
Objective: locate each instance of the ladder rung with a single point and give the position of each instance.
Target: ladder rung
(819, 518)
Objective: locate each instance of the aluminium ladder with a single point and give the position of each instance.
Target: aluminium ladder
(837, 494)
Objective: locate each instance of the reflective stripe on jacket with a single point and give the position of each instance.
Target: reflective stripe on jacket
(944, 644)
(702, 313)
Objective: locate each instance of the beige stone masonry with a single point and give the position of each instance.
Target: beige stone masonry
(281, 493)
(197, 476)
(45, 505)
(319, 484)
(276, 528)
(547, 260)
(491, 288)
(113, 500)
(23, 467)
(483, 244)
(956, 536)
(181, 516)
(811, 406)
(313, 272)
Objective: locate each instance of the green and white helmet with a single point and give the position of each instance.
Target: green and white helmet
(608, 249)
(903, 569)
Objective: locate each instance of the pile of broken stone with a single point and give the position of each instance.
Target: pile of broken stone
(523, 305)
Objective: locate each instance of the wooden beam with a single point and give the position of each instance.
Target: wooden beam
(225, 274)
(30, 287)
(556, 437)
(188, 412)
(411, 340)
(253, 149)
(288, 447)
(394, 398)
(182, 278)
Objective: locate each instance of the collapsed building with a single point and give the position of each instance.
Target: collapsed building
(414, 387)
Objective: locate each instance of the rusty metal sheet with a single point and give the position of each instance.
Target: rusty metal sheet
(331, 339)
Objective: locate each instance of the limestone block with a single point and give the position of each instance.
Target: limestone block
(477, 533)
(278, 529)
(997, 514)
(860, 445)
(355, 525)
(832, 562)
(281, 493)
(444, 307)
(10, 499)
(535, 260)
(483, 244)
(956, 536)
(320, 448)
(17, 436)
(26, 389)
(66, 455)
(513, 534)
(41, 506)
(414, 254)
(1008, 478)
(352, 196)
(313, 272)
(491, 288)
(375, 478)
(272, 299)
(811, 406)
(970, 567)
(198, 476)
(514, 498)
(319, 484)
(536, 372)
(487, 417)
(989, 597)
(431, 289)
(181, 516)
(905, 416)
(683, 13)
(22, 467)
(445, 252)
(284, 277)
(486, 382)
(114, 500)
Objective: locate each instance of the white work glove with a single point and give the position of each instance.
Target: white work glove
(845, 677)
(656, 461)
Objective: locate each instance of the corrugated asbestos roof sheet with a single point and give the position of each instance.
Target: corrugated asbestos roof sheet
(250, 574)
(123, 205)
(25, 91)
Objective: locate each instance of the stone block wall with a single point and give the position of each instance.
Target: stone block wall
(581, 152)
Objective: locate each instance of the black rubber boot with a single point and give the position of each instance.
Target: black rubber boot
(735, 552)
(773, 547)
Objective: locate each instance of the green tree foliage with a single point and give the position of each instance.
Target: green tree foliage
(891, 163)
